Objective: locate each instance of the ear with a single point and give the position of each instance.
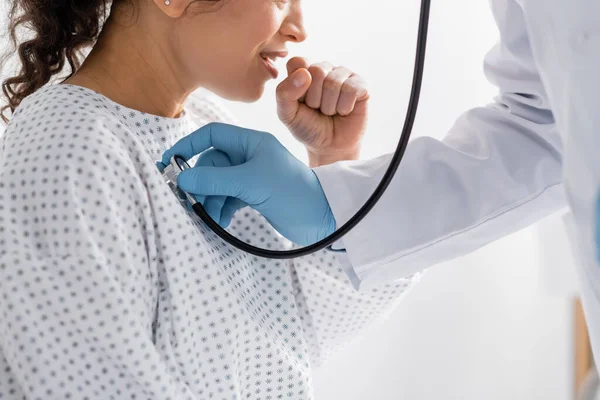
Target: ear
(173, 8)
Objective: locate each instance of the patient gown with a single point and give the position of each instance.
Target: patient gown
(110, 289)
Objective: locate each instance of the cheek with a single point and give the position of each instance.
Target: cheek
(238, 50)
(264, 31)
(229, 62)
(258, 24)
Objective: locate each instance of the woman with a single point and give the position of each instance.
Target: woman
(109, 288)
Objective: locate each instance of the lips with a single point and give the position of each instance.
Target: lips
(269, 58)
(274, 55)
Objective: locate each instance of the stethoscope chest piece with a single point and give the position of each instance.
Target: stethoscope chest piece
(170, 174)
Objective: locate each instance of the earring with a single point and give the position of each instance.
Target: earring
(167, 2)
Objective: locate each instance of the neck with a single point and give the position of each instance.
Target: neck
(134, 68)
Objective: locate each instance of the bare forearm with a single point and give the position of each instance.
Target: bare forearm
(318, 160)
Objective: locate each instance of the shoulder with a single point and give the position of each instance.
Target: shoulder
(61, 132)
(56, 121)
(61, 102)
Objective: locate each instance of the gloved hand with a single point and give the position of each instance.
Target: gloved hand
(263, 174)
(220, 208)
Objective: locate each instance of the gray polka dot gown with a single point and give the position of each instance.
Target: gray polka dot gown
(110, 289)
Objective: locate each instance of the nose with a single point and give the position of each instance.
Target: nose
(293, 27)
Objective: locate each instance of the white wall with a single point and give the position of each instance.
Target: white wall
(477, 328)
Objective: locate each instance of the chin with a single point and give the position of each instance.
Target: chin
(248, 94)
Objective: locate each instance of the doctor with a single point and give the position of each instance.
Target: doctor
(498, 170)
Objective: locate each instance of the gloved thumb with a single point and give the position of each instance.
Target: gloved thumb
(289, 92)
(212, 181)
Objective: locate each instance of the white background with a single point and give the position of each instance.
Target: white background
(483, 327)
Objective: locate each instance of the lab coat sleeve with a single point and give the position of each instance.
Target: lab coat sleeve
(497, 171)
(67, 282)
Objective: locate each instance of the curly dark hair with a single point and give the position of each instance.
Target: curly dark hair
(61, 29)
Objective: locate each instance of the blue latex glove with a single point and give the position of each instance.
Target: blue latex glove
(263, 174)
(220, 208)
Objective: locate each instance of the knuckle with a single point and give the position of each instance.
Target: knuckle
(297, 61)
(349, 87)
(212, 125)
(359, 81)
(355, 85)
(317, 72)
(325, 65)
(268, 137)
(344, 71)
(331, 83)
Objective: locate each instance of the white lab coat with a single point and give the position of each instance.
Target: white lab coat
(501, 167)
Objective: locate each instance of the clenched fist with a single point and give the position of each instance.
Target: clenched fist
(325, 108)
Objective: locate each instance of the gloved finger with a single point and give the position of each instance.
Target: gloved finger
(213, 206)
(160, 166)
(230, 139)
(213, 158)
(229, 209)
(215, 181)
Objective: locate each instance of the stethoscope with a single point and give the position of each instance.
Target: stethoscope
(179, 164)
